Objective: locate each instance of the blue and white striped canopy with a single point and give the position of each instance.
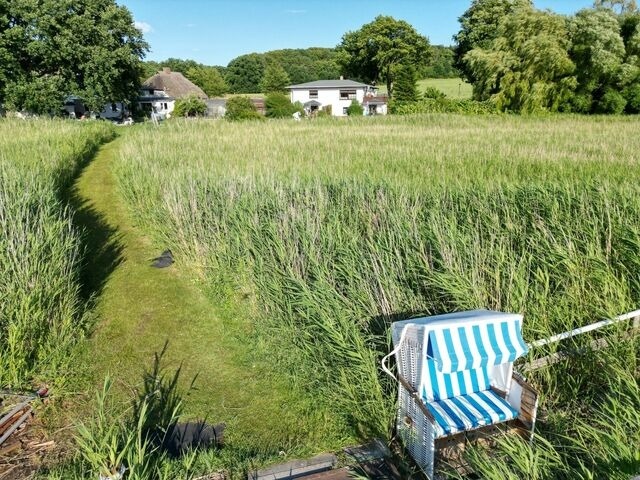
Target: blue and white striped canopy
(473, 345)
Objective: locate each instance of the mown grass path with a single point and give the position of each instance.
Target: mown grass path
(139, 308)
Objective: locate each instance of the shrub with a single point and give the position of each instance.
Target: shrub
(432, 92)
(442, 105)
(190, 106)
(355, 109)
(611, 102)
(241, 108)
(632, 95)
(581, 103)
(279, 106)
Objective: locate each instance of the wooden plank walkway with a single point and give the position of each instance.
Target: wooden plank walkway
(339, 474)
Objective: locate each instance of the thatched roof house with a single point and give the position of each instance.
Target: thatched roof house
(174, 84)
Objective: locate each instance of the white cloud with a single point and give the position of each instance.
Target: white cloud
(295, 12)
(190, 25)
(144, 27)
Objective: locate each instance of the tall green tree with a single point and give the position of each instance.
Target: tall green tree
(305, 65)
(441, 64)
(405, 89)
(479, 28)
(527, 67)
(208, 79)
(274, 79)
(373, 52)
(52, 48)
(598, 51)
(244, 73)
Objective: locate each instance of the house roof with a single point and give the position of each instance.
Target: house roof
(328, 84)
(174, 84)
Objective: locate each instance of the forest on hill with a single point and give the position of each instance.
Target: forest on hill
(245, 73)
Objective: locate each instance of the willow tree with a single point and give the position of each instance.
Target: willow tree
(479, 28)
(527, 67)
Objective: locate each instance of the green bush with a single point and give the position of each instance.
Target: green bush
(241, 108)
(355, 109)
(581, 103)
(442, 105)
(433, 92)
(611, 102)
(632, 95)
(279, 106)
(190, 106)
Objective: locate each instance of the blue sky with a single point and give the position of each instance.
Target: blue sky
(215, 31)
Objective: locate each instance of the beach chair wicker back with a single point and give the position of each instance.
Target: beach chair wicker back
(455, 372)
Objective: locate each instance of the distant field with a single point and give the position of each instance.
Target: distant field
(451, 87)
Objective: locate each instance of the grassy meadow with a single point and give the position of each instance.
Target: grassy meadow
(454, 88)
(41, 306)
(296, 245)
(323, 232)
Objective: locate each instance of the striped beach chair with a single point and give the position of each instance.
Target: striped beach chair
(456, 380)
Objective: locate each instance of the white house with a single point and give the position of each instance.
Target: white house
(159, 93)
(75, 108)
(337, 95)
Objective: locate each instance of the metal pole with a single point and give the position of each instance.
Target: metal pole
(594, 326)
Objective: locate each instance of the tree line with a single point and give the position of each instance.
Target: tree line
(257, 72)
(517, 57)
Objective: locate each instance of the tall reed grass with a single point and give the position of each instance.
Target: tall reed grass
(341, 227)
(41, 309)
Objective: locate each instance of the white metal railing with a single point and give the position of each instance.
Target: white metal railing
(589, 328)
(595, 344)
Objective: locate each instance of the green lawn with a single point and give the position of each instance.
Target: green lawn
(452, 87)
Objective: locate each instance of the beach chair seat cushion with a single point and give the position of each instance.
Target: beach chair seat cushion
(466, 412)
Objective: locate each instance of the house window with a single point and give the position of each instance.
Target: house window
(344, 110)
(313, 93)
(347, 94)
(166, 107)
